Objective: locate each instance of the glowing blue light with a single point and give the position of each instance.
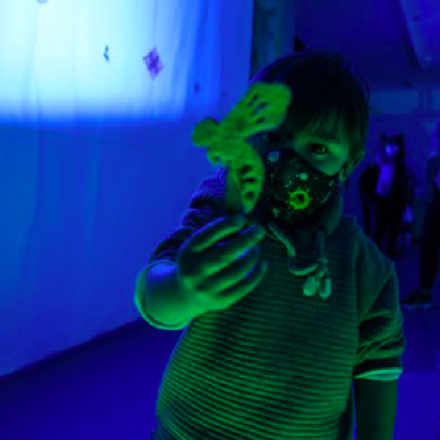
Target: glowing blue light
(82, 57)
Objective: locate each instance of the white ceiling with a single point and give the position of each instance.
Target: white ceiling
(372, 34)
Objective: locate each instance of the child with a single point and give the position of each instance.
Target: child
(272, 352)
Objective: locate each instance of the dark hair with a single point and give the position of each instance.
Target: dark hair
(325, 89)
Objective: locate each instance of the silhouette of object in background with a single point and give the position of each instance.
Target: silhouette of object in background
(299, 45)
(368, 186)
(433, 172)
(428, 259)
(407, 228)
(394, 194)
(367, 189)
(422, 296)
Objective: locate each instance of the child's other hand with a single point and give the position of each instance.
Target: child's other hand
(220, 264)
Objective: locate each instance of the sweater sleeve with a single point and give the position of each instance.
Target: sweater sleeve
(382, 341)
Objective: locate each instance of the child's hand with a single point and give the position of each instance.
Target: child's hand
(262, 108)
(220, 264)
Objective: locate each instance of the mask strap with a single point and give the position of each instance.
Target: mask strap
(342, 176)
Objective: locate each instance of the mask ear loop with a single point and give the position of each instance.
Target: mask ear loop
(342, 175)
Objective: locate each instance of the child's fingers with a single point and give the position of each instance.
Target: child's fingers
(214, 232)
(260, 127)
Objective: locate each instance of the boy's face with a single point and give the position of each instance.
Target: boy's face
(325, 151)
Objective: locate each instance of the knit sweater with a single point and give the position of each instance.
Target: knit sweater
(279, 364)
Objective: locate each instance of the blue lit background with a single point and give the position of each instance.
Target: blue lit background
(95, 155)
(62, 58)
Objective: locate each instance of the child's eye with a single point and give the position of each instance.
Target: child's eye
(318, 149)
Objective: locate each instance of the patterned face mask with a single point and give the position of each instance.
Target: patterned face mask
(294, 189)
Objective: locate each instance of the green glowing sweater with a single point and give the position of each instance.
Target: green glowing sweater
(278, 364)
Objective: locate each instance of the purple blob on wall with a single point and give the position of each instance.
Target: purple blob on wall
(153, 63)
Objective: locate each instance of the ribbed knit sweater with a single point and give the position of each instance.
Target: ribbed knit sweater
(280, 365)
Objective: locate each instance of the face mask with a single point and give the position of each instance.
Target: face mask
(294, 189)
